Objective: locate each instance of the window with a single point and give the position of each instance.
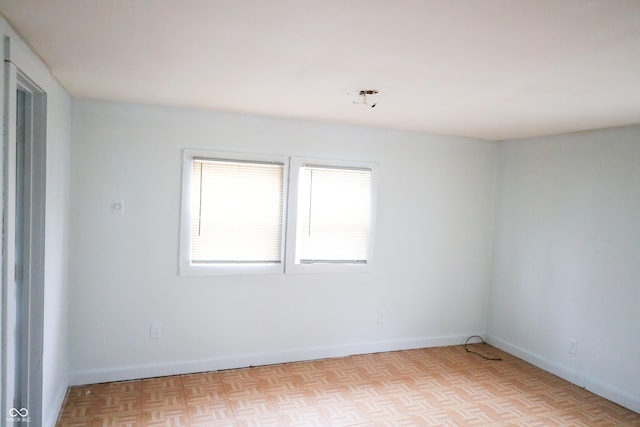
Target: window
(333, 215)
(331, 222)
(235, 208)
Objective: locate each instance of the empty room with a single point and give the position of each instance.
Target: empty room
(320, 213)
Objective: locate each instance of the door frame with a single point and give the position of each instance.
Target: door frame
(33, 255)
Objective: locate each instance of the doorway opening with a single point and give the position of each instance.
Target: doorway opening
(23, 226)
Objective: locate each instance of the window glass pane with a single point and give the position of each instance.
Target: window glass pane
(333, 215)
(237, 212)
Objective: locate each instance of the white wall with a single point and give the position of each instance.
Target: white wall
(56, 342)
(567, 262)
(433, 247)
(55, 357)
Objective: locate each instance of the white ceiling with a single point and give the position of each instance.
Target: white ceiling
(490, 69)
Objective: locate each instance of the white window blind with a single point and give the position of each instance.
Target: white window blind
(333, 215)
(237, 211)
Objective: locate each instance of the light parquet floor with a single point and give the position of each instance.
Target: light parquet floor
(443, 386)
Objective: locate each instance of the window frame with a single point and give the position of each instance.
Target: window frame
(186, 267)
(292, 221)
(291, 171)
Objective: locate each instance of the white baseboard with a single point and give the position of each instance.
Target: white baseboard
(52, 417)
(593, 385)
(122, 373)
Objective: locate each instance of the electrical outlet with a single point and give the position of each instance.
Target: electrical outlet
(573, 346)
(155, 330)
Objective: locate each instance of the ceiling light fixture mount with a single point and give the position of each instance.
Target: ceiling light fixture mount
(364, 93)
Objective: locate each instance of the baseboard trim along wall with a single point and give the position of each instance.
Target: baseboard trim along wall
(123, 373)
(52, 417)
(595, 386)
